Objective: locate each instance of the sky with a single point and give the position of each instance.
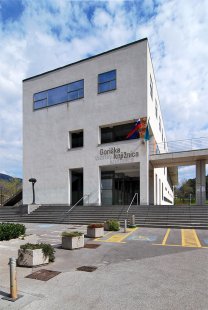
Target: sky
(40, 35)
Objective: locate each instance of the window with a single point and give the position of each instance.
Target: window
(159, 123)
(76, 139)
(162, 135)
(76, 90)
(156, 108)
(40, 100)
(59, 95)
(116, 133)
(151, 87)
(106, 81)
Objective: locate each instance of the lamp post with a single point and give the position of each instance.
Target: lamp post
(33, 181)
(1, 191)
(190, 199)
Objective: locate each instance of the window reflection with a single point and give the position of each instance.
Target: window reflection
(69, 92)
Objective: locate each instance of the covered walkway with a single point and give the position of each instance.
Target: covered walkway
(185, 153)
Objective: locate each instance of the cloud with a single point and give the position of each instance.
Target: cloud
(37, 36)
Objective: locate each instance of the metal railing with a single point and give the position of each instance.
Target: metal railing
(135, 195)
(65, 213)
(83, 198)
(179, 146)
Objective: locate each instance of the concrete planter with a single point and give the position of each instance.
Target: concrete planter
(30, 258)
(106, 226)
(95, 232)
(70, 243)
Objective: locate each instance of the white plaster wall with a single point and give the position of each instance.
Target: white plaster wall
(45, 132)
(157, 135)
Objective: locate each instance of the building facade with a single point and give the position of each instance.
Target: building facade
(76, 120)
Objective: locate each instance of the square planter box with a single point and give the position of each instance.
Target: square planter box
(71, 243)
(95, 232)
(106, 226)
(31, 258)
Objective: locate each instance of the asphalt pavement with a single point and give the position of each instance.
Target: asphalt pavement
(144, 268)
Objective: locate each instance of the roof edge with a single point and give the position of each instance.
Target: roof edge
(85, 59)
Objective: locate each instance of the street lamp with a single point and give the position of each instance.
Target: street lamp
(33, 181)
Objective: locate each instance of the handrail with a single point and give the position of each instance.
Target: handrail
(178, 145)
(135, 195)
(83, 198)
(86, 195)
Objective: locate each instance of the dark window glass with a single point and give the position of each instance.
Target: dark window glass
(57, 95)
(106, 81)
(151, 87)
(40, 104)
(76, 85)
(77, 139)
(40, 96)
(76, 90)
(116, 133)
(106, 135)
(156, 108)
(76, 94)
(107, 76)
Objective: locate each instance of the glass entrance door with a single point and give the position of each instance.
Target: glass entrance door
(118, 188)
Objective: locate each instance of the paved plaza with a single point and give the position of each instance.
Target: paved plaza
(144, 268)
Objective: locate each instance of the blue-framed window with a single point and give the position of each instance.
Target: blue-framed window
(61, 94)
(106, 81)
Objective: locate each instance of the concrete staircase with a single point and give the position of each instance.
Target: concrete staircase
(9, 214)
(146, 216)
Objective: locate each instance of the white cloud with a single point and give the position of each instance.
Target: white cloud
(50, 34)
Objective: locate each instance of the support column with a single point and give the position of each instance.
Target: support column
(92, 184)
(151, 187)
(200, 182)
(144, 176)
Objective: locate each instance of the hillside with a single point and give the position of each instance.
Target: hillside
(8, 178)
(8, 186)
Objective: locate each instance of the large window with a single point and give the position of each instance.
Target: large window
(116, 133)
(76, 139)
(59, 95)
(106, 81)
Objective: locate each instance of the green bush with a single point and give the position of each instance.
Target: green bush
(71, 234)
(47, 249)
(113, 225)
(11, 231)
(95, 225)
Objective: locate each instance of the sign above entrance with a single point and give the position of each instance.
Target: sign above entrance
(116, 154)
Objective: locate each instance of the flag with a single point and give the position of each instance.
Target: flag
(134, 133)
(147, 135)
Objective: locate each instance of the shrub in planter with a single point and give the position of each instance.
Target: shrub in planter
(72, 240)
(112, 225)
(11, 231)
(31, 254)
(95, 230)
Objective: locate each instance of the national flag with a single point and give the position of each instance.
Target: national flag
(147, 134)
(134, 133)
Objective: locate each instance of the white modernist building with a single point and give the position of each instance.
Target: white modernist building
(76, 122)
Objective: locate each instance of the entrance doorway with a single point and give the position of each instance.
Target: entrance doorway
(77, 186)
(118, 188)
